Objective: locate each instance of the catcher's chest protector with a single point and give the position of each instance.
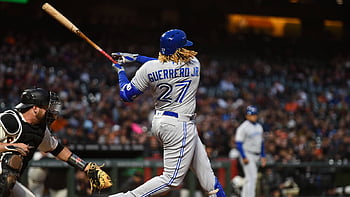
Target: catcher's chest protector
(10, 126)
(14, 130)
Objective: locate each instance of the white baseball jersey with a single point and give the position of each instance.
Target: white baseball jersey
(251, 135)
(174, 86)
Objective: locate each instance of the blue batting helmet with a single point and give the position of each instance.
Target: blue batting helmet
(252, 110)
(173, 39)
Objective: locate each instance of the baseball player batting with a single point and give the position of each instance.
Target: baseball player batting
(250, 144)
(173, 79)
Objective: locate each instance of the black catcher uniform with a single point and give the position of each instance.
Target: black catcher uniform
(14, 129)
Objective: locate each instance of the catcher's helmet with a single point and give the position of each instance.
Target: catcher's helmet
(252, 110)
(35, 96)
(42, 98)
(173, 39)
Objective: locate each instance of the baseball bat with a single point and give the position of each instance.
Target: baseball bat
(69, 25)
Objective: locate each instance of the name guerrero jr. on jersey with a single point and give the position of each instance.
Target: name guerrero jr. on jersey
(173, 73)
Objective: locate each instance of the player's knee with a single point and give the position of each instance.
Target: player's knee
(174, 184)
(171, 181)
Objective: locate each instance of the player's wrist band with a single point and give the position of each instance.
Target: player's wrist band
(77, 162)
(57, 150)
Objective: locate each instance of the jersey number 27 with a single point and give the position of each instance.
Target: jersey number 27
(180, 89)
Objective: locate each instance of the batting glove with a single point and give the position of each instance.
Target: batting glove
(118, 67)
(122, 58)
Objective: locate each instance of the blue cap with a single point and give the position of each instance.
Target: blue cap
(252, 110)
(172, 40)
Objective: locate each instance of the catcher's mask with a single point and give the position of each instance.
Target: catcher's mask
(53, 109)
(42, 98)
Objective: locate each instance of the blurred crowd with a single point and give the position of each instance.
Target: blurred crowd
(303, 102)
(302, 92)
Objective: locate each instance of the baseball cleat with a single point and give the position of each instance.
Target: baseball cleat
(218, 186)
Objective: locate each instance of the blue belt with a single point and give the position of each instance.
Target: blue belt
(176, 115)
(170, 113)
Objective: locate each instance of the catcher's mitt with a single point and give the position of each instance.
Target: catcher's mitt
(98, 178)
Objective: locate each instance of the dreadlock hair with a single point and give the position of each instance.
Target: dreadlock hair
(180, 55)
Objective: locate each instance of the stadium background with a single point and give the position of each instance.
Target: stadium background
(299, 78)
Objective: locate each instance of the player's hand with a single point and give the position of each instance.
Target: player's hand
(245, 161)
(263, 161)
(21, 148)
(118, 67)
(122, 58)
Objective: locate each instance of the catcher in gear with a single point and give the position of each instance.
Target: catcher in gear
(25, 129)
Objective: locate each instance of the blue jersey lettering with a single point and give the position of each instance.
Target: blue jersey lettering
(172, 73)
(160, 74)
(176, 72)
(165, 73)
(187, 72)
(150, 78)
(155, 76)
(182, 72)
(195, 72)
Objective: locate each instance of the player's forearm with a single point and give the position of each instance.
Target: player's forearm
(23, 149)
(3, 147)
(72, 159)
(64, 154)
(127, 90)
(240, 149)
(144, 59)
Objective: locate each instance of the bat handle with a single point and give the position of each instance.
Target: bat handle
(108, 56)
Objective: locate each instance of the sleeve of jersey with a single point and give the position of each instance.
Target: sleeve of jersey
(144, 59)
(127, 90)
(240, 149)
(49, 142)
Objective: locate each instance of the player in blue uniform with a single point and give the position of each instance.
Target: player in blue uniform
(173, 79)
(250, 144)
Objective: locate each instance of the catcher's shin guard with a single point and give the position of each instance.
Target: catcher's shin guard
(11, 165)
(7, 181)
